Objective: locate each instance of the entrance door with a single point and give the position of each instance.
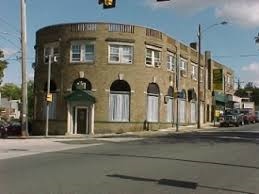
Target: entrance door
(81, 120)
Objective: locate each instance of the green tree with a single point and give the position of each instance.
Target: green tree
(3, 65)
(250, 86)
(30, 86)
(11, 91)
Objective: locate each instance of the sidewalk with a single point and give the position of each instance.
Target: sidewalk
(17, 146)
(182, 129)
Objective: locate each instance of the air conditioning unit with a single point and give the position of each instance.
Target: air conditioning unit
(157, 64)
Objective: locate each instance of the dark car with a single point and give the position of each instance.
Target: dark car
(14, 128)
(231, 117)
(3, 129)
(257, 116)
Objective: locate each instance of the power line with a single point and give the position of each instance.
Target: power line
(8, 40)
(241, 55)
(10, 25)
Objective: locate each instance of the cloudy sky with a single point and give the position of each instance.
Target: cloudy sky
(231, 44)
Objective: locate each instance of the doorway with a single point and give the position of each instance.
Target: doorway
(81, 120)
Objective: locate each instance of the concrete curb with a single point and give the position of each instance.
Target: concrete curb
(182, 129)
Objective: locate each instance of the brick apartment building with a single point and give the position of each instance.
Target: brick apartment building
(116, 77)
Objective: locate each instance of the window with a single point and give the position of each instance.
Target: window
(194, 71)
(81, 84)
(170, 113)
(76, 53)
(182, 107)
(119, 107)
(51, 49)
(120, 53)
(170, 104)
(119, 101)
(171, 62)
(82, 52)
(153, 56)
(228, 80)
(183, 64)
(52, 107)
(201, 74)
(53, 104)
(152, 108)
(152, 102)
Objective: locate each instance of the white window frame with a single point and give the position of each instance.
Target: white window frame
(155, 62)
(170, 109)
(82, 51)
(124, 108)
(153, 111)
(171, 61)
(194, 73)
(121, 54)
(183, 64)
(51, 46)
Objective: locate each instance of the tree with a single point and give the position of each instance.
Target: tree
(250, 85)
(252, 89)
(11, 91)
(3, 65)
(30, 86)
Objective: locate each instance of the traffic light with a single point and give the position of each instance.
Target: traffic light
(49, 97)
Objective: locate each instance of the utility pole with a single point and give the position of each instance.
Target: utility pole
(24, 69)
(177, 89)
(199, 77)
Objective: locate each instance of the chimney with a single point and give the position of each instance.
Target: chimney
(194, 45)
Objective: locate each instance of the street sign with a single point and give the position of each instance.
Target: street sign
(218, 79)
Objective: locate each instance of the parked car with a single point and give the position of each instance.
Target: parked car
(257, 116)
(14, 128)
(249, 116)
(3, 129)
(231, 117)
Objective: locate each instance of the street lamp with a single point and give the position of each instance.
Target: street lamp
(199, 66)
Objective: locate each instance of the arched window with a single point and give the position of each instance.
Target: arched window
(170, 104)
(119, 101)
(153, 94)
(81, 84)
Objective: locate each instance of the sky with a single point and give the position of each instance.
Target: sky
(232, 44)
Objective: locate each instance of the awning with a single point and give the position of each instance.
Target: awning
(82, 96)
(220, 97)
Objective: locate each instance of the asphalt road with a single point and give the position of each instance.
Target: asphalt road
(200, 163)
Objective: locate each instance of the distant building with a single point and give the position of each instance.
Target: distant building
(116, 77)
(9, 109)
